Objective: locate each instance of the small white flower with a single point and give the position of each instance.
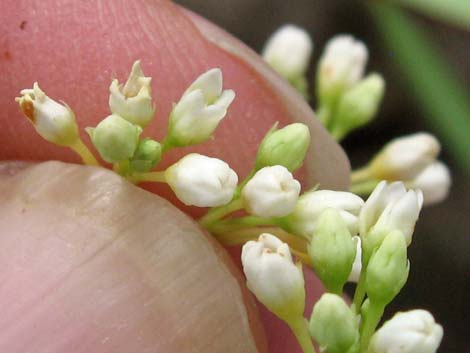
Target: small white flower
(311, 204)
(199, 111)
(342, 64)
(405, 157)
(272, 192)
(390, 207)
(434, 181)
(273, 277)
(413, 331)
(53, 121)
(133, 101)
(202, 181)
(288, 51)
(357, 265)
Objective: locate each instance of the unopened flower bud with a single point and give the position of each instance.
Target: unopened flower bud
(133, 100)
(115, 138)
(311, 204)
(359, 105)
(413, 331)
(146, 156)
(434, 181)
(357, 264)
(202, 181)
(272, 192)
(288, 51)
(388, 269)
(389, 207)
(201, 108)
(286, 147)
(332, 250)
(341, 66)
(405, 158)
(53, 121)
(333, 325)
(273, 277)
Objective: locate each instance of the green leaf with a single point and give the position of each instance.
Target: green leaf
(456, 12)
(431, 81)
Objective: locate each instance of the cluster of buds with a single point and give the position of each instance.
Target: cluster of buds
(411, 159)
(347, 100)
(343, 238)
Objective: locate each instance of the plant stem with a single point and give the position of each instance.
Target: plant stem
(166, 145)
(156, 177)
(369, 324)
(300, 329)
(85, 154)
(217, 213)
(360, 292)
(360, 175)
(231, 225)
(364, 188)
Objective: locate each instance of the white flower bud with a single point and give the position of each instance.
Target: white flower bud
(405, 157)
(288, 51)
(412, 331)
(202, 181)
(272, 192)
(390, 207)
(357, 264)
(201, 108)
(434, 181)
(133, 101)
(53, 121)
(341, 66)
(311, 204)
(273, 277)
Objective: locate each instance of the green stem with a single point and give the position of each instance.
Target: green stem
(122, 167)
(300, 329)
(85, 154)
(156, 177)
(231, 225)
(360, 292)
(364, 188)
(217, 213)
(369, 324)
(338, 133)
(324, 115)
(360, 175)
(166, 145)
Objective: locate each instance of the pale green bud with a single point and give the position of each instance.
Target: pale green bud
(286, 147)
(332, 250)
(388, 269)
(359, 105)
(146, 156)
(115, 138)
(55, 122)
(333, 325)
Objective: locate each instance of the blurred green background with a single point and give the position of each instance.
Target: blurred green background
(422, 47)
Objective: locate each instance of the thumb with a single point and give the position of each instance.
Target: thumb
(91, 263)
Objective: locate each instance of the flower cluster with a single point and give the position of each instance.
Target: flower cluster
(338, 234)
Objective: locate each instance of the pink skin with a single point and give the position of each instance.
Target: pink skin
(74, 49)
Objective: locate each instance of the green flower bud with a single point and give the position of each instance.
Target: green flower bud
(332, 250)
(286, 147)
(388, 269)
(146, 156)
(333, 325)
(115, 138)
(359, 105)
